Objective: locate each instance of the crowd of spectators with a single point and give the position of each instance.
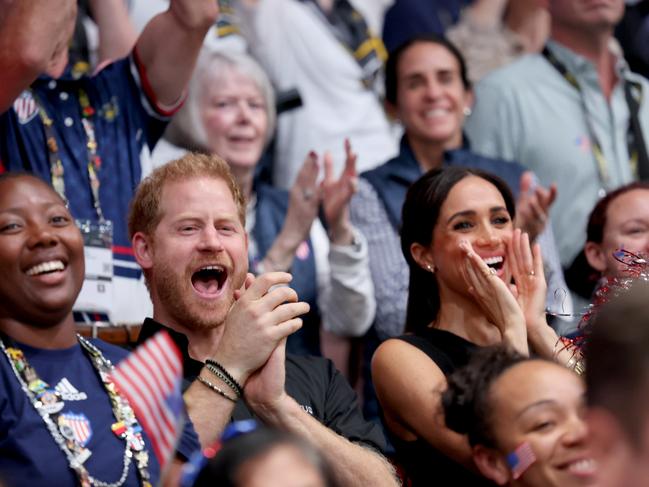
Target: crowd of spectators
(372, 228)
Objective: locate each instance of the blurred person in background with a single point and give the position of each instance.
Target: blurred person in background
(34, 39)
(574, 114)
(617, 387)
(617, 235)
(330, 53)
(493, 33)
(407, 19)
(263, 457)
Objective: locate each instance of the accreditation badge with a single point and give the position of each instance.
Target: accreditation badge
(96, 297)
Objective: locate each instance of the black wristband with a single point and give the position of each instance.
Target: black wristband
(237, 387)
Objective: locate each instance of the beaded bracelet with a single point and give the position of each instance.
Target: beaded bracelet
(577, 365)
(216, 389)
(224, 378)
(236, 387)
(576, 361)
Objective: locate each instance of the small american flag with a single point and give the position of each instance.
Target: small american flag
(520, 459)
(150, 379)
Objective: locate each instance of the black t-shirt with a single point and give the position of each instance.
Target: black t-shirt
(315, 384)
(423, 464)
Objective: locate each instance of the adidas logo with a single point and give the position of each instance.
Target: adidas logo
(69, 392)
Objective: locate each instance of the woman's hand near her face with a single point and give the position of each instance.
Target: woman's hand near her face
(526, 265)
(336, 195)
(495, 298)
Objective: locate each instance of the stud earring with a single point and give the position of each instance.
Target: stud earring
(430, 269)
(467, 111)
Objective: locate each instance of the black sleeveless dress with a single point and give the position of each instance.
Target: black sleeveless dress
(423, 464)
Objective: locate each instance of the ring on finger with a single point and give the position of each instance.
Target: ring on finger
(492, 271)
(307, 193)
(531, 273)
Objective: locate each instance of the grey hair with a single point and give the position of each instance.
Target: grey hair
(186, 128)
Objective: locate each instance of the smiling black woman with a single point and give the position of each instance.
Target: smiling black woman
(57, 404)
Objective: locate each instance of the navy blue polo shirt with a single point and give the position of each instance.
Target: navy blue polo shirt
(126, 118)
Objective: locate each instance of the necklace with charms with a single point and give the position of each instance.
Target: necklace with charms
(49, 405)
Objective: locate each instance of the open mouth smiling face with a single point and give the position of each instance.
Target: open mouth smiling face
(47, 268)
(209, 281)
(496, 263)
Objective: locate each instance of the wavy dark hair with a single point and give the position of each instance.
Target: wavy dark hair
(392, 64)
(466, 401)
(419, 216)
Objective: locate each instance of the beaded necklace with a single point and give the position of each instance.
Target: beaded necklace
(48, 404)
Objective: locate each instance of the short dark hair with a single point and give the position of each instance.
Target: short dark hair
(617, 358)
(467, 402)
(392, 64)
(5, 176)
(225, 468)
(419, 217)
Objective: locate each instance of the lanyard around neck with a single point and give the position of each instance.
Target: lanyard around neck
(49, 405)
(93, 164)
(350, 29)
(635, 141)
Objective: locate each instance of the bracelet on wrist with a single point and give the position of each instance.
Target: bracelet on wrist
(576, 361)
(216, 372)
(217, 369)
(216, 389)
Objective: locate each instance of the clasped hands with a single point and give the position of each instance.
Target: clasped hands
(252, 348)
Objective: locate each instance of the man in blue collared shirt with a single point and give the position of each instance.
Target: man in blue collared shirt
(531, 112)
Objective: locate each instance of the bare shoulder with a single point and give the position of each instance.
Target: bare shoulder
(400, 369)
(399, 355)
(409, 386)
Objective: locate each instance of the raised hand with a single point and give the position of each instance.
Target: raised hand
(336, 195)
(526, 265)
(304, 201)
(263, 315)
(533, 205)
(495, 298)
